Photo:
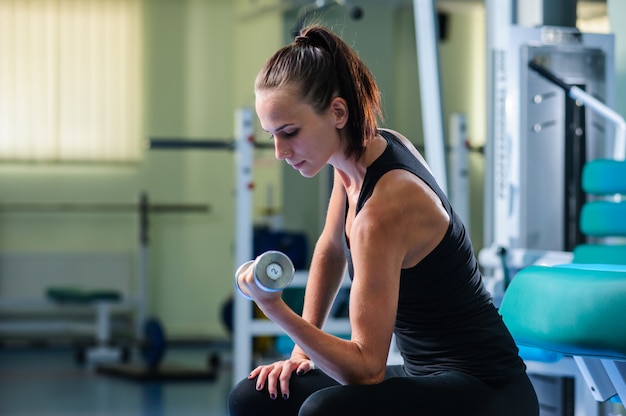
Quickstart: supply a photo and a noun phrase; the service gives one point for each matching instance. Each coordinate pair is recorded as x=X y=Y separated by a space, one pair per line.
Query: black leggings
x=443 y=394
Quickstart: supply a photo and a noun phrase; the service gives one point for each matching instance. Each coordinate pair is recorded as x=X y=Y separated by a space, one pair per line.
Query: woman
x=412 y=266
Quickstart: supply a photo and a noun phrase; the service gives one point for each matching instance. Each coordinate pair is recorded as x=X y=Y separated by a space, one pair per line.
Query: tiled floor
x=47 y=381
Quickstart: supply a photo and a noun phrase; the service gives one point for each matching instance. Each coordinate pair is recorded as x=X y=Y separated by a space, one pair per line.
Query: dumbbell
x=273 y=272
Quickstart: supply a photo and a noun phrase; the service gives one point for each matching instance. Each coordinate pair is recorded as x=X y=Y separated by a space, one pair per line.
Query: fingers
x=243 y=275
x=262 y=374
x=283 y=380
x=247 y=286
x=276 y=377
x=260 y=382
x=279 y=376
x=305 y=367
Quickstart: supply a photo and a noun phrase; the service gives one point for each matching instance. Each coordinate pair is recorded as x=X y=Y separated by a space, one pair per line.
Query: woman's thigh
x=245 y=399
x=443 y=394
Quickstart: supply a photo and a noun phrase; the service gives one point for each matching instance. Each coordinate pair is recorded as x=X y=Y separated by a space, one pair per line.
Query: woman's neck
x=352 y=172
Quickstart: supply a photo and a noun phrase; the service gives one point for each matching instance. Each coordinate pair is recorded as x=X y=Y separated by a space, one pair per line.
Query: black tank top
x=446 y=319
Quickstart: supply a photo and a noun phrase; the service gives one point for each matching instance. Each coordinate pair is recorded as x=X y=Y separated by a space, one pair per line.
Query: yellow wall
x=189 y=78
x=200 y=59
x=463 y=68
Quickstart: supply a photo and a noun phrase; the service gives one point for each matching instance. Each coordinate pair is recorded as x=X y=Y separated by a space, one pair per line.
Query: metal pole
x=499 y=20
x=459 y=168
x=243 y=239
x=619 y=144
x=430 y=88
x=98 y=207
x=143 y=241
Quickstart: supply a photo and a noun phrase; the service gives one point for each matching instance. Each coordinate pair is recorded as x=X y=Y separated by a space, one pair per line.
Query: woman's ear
x=339 y=109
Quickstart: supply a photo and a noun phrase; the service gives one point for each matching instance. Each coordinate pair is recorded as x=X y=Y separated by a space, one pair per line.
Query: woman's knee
x=324 y=402
x=245 y=399
x=242 y=397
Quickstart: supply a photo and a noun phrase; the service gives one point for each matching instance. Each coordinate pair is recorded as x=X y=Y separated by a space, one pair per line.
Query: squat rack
x=243 y=146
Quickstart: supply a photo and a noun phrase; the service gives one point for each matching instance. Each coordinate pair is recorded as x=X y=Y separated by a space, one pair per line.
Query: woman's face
x=304 y=138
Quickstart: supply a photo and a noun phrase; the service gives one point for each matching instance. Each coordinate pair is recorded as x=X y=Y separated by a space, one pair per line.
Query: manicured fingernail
x=299 y=372
x=259 y=386
x=273 y=396
x=285 y=396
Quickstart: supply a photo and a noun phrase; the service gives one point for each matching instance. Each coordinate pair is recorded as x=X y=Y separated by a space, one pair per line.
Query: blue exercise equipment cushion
x=603 y=218
x=604 y=177
x=598 y=253
x=571 y=309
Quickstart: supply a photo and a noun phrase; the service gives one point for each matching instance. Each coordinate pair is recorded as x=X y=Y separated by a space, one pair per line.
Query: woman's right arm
x=328 y=265
x=326 y=273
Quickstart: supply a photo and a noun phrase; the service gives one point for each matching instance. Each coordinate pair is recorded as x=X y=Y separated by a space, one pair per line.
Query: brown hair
x=323 y=66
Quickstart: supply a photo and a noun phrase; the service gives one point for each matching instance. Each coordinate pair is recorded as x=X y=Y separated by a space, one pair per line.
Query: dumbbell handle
x=273 y=272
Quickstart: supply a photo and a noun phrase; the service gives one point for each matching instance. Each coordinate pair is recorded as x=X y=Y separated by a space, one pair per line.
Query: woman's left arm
x=373 y=301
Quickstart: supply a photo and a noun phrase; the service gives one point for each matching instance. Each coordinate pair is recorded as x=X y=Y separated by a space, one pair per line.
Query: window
x=71 y=85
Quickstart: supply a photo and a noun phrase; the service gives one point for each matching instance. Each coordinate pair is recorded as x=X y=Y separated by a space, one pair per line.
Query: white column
x=427 y=41
x=244 y=147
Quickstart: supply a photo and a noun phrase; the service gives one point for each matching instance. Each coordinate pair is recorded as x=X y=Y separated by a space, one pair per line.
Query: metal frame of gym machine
x=539 y=139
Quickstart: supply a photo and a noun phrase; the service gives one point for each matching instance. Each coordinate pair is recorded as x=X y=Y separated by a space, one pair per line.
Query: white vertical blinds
x=71 y=85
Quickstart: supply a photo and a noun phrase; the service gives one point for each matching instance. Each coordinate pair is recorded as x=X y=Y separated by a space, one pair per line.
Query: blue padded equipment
x=603 y=217
x=529 y=353
x=604 y=177
x=599 y=219
x=597 y=253
x=575 y=310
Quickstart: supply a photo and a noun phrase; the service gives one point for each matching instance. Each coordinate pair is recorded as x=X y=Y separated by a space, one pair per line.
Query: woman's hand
x=278 y=374
x=248 y=286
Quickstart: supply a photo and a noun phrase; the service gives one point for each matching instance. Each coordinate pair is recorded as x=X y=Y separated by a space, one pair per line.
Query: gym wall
x=201 y=57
